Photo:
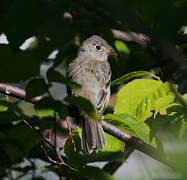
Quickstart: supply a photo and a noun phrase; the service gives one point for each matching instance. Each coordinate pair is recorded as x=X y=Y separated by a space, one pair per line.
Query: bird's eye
x=98 y=47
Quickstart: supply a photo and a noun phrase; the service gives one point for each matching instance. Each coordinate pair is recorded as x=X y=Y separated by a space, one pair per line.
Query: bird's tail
x=92 y=135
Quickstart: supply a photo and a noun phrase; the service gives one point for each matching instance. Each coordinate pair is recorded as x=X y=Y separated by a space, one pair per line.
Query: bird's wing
x=103 y=75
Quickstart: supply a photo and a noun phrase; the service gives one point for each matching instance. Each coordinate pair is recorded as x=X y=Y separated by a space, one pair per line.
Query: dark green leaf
x=55 y=76
x=36 y=87
x=77 y=159
x=47 y=106
x=95 y=173
x=84 y=105
x=17 y=66
x=17 y=145
x=6 y=117
x=133 y=75
x=10 y=105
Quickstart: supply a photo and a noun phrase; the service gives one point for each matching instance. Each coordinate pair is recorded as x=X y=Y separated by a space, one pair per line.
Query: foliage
x=148 y=106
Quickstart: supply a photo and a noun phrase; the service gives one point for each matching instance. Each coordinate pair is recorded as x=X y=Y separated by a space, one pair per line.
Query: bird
x=92 y=71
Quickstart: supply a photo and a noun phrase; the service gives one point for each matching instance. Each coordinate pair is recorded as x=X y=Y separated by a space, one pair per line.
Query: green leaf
x=95 y=173
x=133 y=75
x=72 y=150
x=47 y=106
x=130 y=125
x=163 y=103
x=113 y=144
x=26 y=108
x=18 y=145
x=36 y=87
x=78 y=159
x=17 y=66
x=84 y=105
x=3 y=107
x=55 y=76
x=44 y=113
x=44 y=107
x=7 y=117
x=18 y=27
x=140 y=97
x=182 y=128
x=122 y=47
x=10 y=105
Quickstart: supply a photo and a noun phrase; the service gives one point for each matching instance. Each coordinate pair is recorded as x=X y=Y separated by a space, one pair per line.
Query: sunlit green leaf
x=130 y=125
x=113 y=144
x=45 y=112
x=142 y=96
x=122 y=47
x=2 y=107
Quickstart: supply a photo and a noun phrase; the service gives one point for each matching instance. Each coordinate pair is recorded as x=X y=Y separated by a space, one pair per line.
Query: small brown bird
x=92 y=71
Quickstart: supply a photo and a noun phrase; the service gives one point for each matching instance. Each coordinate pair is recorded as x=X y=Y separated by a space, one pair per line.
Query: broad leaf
x=17 y=66
x=132 y=75
x=55 y=76
x=7 y=117
x=47 y=106
x=84 y=105
x=36 y=87
x=113 y=144
x=95 y=173
x=18 y=145
x=78 y=159
x=130 y=125
x=142 y=96
x=2 y=106
x=122 y=47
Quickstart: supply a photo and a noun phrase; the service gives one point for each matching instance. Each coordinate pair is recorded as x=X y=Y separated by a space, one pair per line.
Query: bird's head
x=96 y=48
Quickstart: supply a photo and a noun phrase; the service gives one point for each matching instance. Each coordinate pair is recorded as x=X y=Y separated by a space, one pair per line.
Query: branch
x=136 y=143
x=8 y=89
x=112 y=166
x=109 y=128
x=19 y=93
x=16 y=92
x=129 y=36
x=167 y=50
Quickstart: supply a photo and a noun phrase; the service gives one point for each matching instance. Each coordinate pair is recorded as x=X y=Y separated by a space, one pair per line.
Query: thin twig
x=55 y=130
x=58 y=157
x=19 y=93
x=70 y=133
x=40 y=134
x=50 y=159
